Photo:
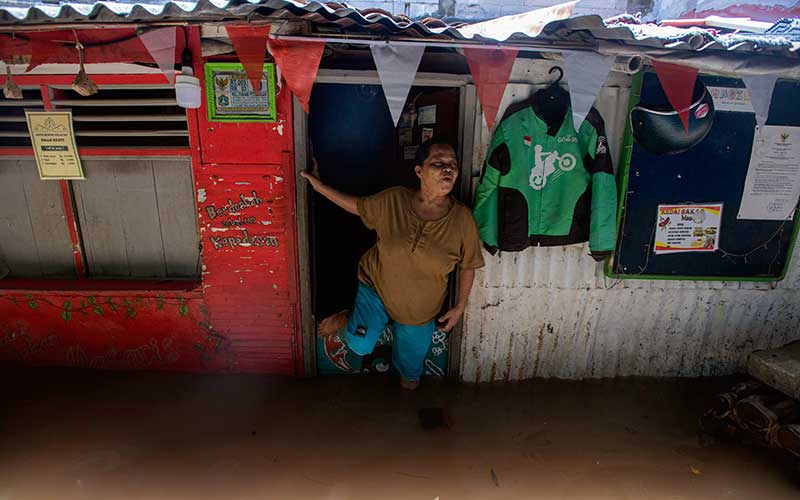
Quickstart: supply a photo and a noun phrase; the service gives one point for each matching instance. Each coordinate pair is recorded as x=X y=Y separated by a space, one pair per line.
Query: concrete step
x=778 y=368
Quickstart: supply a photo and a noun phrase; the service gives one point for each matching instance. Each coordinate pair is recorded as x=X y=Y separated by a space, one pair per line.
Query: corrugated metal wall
x=550 y=312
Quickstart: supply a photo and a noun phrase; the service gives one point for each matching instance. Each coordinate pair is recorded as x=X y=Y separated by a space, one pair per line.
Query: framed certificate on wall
x=231 y=97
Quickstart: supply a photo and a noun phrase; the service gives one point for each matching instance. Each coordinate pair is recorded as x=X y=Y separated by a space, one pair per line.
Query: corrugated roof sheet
x=212 y=10
x=583 y=30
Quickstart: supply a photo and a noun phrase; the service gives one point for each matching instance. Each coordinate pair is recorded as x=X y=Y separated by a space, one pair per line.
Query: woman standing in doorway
x=423 y=234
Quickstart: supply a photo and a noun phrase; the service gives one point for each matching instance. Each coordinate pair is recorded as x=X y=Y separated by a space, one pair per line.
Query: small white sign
x=731 y=99
x=772 y=186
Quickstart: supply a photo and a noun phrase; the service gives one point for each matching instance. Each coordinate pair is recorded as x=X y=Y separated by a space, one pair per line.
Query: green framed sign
x=230 y=96
x=780 y=242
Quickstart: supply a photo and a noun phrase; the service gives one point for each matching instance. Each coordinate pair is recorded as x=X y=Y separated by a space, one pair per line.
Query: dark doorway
x=360 y=151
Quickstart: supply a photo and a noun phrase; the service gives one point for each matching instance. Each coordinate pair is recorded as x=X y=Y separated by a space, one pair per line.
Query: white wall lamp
x=187 y=86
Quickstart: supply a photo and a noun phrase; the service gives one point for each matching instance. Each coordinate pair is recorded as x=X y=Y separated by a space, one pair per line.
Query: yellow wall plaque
x=54 y=144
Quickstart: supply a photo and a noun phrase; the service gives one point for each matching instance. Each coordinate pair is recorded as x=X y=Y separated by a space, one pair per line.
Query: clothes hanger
x=554 y=90
x=552 y=101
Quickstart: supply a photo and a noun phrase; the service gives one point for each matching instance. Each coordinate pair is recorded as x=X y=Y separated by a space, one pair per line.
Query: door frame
x=469 y=125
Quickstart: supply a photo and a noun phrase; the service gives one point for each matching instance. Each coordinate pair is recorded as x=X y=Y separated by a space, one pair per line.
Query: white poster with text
x=772 y=185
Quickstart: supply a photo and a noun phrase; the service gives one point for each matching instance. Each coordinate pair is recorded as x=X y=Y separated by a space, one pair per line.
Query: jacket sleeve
x=498 y=163
x=597 y=159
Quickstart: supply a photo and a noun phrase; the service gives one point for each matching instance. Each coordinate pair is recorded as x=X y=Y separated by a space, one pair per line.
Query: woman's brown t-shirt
x=409 y=264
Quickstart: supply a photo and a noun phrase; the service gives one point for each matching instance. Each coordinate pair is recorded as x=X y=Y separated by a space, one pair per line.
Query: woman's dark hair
x=425 y=149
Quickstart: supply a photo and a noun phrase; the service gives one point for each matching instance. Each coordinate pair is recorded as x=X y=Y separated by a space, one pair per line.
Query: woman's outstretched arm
x=346 y=201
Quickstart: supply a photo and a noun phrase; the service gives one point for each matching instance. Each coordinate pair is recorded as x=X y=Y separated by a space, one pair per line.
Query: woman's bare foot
x=330 y=326
x=409 y=385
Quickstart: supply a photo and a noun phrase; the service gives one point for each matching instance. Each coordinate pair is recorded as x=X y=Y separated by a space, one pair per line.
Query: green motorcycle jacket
x=544 y=185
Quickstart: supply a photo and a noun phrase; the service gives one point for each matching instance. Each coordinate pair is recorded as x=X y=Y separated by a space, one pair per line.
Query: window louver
x=13 y=127
x=126 y=116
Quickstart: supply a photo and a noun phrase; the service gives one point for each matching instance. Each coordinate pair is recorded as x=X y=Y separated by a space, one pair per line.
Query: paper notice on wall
x=688 y=228
x=772 y=186
x=427 y=115
x=405 y=137
x=410 y=152
x=731 y=99
x=53 y=141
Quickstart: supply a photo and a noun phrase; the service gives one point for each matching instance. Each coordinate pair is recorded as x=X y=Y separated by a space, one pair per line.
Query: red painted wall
x=243 y=316
x=120 y=330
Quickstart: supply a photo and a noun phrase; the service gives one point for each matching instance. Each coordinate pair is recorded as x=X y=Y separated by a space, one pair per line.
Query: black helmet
x=659 y=129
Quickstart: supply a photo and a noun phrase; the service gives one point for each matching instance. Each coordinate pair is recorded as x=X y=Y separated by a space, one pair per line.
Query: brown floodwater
x=97 y=435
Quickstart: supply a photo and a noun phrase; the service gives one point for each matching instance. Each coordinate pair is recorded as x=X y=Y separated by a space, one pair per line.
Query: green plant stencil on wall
x=91 y=304
x=183 y=310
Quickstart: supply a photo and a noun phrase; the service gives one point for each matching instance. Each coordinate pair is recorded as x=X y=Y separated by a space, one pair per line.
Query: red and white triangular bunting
x=250 y=44
x=490 y=71
x=41 y=51
x=678 y=84
x=160 y=43
x=586 y=73
x=397 y=66
x=298 y=63
x=760 y=88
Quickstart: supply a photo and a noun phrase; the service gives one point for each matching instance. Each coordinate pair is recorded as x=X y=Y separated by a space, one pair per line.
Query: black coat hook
x=560 y=73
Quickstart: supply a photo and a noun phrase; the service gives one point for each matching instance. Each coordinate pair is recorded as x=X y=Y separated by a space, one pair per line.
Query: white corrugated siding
x=556 y=316
x=550 y=312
